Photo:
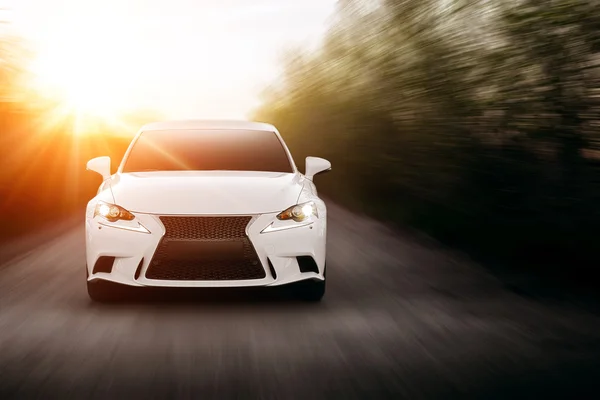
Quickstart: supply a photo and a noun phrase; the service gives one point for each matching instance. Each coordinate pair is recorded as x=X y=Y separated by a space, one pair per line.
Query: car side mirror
x=316 y=165
x=100 y=165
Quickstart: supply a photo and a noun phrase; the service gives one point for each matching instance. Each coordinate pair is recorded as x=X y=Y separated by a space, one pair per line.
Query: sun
x=89 y=68
x=86 y=81
x=84 y=96
x=83 y=86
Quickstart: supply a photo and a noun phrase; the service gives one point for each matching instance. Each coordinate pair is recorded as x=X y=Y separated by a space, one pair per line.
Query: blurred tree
x=444 y=114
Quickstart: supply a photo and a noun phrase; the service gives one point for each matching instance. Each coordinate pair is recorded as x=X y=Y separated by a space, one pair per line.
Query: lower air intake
x=307 y=264
x=104 y=264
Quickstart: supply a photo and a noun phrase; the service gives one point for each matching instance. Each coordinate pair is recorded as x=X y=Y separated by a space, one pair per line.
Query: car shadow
x=261 y=297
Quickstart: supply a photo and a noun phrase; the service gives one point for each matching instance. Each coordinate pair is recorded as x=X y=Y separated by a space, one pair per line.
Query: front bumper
x=133 y=252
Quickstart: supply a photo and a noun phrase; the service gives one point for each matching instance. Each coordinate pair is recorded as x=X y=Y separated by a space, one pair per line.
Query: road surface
x=402 y=318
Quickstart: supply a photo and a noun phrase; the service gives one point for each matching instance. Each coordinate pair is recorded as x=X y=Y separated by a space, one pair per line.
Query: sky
x=184 y=58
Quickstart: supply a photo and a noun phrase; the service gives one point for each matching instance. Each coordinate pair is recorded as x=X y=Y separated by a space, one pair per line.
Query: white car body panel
x=219 y=192
x=259 y=195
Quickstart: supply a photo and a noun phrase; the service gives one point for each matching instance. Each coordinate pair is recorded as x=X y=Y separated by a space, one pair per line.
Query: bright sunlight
x=185 y=59
x=89 y=71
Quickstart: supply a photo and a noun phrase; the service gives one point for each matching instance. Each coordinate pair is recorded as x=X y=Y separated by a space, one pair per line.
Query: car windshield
x=208 y=150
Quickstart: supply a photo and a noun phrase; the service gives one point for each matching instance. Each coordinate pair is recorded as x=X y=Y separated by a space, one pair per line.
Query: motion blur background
x=476 y=122
x=465 y=193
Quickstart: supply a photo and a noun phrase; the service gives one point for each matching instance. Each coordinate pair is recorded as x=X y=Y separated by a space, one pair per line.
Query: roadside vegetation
x=477 y=122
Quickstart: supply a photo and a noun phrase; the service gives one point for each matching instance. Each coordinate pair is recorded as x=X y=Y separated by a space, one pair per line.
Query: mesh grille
x=205 y=228
x=241 y=264
x=206 y=271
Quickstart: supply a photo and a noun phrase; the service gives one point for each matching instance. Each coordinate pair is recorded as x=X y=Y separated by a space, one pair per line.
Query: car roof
x=208 y=124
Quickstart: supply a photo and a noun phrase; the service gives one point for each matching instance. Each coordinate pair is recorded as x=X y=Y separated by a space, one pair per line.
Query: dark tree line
x=477 y=121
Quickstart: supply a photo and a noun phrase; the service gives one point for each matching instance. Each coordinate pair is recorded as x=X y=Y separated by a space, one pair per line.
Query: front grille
x=205 y=228
x=205 y=249
x=205 y=271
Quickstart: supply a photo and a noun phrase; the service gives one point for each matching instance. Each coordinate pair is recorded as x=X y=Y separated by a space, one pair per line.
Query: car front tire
x=312 y=290
x=99 y=292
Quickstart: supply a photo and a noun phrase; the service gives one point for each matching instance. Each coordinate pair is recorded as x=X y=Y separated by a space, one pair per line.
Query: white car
x=206 y=204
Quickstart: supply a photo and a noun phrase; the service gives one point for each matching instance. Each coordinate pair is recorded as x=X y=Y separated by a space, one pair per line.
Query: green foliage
x=476 y=121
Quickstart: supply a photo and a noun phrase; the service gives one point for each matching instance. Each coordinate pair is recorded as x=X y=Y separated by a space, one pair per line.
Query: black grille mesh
x=167 y=266
x=205 y=228
x=205 y=271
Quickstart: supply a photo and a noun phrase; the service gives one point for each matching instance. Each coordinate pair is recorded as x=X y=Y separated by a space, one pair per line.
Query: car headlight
x=115 y=216
x=299 y=212
x=112 y=212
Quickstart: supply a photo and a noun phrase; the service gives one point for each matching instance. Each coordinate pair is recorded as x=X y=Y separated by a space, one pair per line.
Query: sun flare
x=184 y=59
x=87 y=83
x=83 y=95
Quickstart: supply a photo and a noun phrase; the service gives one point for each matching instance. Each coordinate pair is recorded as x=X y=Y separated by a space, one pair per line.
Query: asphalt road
x=402 y=318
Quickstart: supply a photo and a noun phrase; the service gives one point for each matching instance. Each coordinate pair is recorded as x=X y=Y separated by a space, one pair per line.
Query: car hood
x=206 y=192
